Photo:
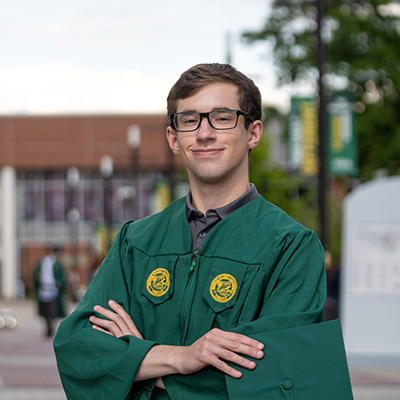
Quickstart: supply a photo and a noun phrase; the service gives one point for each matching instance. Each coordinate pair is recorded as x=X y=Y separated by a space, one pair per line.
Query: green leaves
x=362 y=47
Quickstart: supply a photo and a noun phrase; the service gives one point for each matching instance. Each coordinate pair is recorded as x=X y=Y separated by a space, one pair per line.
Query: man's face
x=212 y=155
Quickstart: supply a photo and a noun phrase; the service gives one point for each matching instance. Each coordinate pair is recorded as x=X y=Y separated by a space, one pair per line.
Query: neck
x=208 y=196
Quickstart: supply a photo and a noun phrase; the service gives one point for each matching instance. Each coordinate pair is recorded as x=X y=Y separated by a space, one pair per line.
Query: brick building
x=53 y=190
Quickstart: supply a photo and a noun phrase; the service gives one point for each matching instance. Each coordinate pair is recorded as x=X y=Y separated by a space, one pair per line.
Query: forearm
x=161 y=360
x=213 y=349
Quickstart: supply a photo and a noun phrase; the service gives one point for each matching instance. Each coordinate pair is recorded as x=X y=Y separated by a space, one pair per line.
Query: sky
x=121 y=56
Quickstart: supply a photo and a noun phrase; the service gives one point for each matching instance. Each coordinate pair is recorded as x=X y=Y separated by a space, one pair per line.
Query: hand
x=216 y=347
x=118 y=322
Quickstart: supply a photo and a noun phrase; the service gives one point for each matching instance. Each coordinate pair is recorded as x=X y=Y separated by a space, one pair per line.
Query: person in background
x=50 y=282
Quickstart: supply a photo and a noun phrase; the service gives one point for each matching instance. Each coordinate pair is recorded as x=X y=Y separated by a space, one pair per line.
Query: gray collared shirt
x=201 y=225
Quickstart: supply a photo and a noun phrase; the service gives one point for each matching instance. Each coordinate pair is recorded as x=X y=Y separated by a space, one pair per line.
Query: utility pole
x=322 y=172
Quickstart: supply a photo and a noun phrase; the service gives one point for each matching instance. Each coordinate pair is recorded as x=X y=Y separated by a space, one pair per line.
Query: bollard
x=7 y=319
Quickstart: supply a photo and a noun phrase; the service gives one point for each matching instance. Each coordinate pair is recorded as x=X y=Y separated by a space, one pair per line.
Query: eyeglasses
x=190 y=121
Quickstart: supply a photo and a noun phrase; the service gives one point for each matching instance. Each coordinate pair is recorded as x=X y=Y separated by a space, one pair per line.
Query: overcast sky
x=120 y=56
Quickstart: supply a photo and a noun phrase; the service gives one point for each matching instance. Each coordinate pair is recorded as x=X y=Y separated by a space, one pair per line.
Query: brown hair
x=195 y=78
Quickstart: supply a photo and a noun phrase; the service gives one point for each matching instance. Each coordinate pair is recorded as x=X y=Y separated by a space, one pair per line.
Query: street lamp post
x=322 y=172
x=73 y=179
x=134 y=140
x=106 y=172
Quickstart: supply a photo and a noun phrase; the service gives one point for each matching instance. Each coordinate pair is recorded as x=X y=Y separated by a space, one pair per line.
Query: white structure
x=8 y=260
x=370 y=284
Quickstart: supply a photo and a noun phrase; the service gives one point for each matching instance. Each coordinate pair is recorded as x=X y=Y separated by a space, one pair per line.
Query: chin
x=211 y=178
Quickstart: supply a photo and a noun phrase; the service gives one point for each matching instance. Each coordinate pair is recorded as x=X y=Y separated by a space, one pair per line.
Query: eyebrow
x=213 y=109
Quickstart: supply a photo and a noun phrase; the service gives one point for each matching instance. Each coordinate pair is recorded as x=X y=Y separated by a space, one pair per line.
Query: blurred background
x=83 y=87
x=83 y=118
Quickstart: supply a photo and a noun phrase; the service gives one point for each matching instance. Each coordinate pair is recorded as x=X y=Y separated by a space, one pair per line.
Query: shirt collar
x=224 y=211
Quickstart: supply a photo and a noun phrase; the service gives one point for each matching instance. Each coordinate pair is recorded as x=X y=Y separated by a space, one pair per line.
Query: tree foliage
x=362 y=55
x=296 y=195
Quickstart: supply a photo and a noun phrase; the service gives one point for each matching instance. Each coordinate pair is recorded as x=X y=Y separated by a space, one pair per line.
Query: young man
x=219 y=296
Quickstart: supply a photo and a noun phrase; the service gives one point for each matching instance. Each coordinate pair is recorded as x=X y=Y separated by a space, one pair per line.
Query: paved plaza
x=28 y=368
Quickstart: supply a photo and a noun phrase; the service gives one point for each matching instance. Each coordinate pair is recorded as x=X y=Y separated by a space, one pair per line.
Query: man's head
x=52 y=248
x=195 y=78
x=216 y=122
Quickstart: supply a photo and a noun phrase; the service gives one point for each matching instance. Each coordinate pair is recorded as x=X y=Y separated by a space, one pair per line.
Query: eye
x=188 y=119
x=223 y=116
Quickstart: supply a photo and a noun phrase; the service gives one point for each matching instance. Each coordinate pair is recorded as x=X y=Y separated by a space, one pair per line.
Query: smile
x=206 y=152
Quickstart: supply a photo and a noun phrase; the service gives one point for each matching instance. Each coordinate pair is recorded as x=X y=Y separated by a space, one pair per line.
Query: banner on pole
x=342 y=156
x=342 y=135
x=303 y=136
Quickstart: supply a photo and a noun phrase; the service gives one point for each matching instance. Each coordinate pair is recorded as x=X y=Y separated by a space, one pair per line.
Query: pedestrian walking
x=50 y=282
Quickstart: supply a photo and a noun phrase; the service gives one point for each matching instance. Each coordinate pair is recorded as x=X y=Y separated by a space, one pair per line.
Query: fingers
x=106 y=325
x=227 y=369
x=231 y=347
x=217 y=348
x=101 y=329
x=117 y=322
x=237 y=343
x=126 y=317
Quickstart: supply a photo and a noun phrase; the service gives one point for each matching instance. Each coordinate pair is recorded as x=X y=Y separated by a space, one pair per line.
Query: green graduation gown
x=258 y=273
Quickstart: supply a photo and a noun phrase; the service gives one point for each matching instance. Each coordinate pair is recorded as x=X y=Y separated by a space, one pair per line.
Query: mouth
x=207 y=152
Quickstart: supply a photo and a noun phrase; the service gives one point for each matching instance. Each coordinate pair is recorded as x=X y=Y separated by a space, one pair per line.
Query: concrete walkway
x=27 y=364
x=28 y=368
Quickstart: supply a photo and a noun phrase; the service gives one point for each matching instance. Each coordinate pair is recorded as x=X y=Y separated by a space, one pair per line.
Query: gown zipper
x=188 y=290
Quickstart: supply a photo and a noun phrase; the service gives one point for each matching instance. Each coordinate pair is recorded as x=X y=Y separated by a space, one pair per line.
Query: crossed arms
x=215 y=348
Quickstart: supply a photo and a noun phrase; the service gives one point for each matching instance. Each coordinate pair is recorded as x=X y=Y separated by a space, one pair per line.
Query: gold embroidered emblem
x=158 y=282
x=223 y=288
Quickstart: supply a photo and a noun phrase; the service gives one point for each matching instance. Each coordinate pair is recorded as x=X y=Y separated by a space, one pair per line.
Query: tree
x=296 y=196
x=362 y=54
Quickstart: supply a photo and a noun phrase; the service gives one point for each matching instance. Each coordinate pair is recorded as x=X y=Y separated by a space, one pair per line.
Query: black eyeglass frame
x=207 y=115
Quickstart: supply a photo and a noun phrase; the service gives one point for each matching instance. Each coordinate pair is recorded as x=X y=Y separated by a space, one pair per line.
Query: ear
x=255 y=133
x=172 y=140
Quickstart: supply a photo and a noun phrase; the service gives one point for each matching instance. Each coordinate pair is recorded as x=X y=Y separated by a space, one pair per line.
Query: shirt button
x=287 y=384
x=202 y=235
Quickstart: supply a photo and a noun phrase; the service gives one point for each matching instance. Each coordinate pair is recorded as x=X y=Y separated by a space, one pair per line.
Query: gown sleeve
x=304 y=357
x=93 y=364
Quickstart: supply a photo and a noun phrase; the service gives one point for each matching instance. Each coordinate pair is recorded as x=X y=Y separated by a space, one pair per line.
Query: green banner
x=303 y=136
x=342 y=154
x=342 y=135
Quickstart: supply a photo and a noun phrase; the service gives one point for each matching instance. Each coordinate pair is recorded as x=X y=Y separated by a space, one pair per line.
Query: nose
x=205 y=131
